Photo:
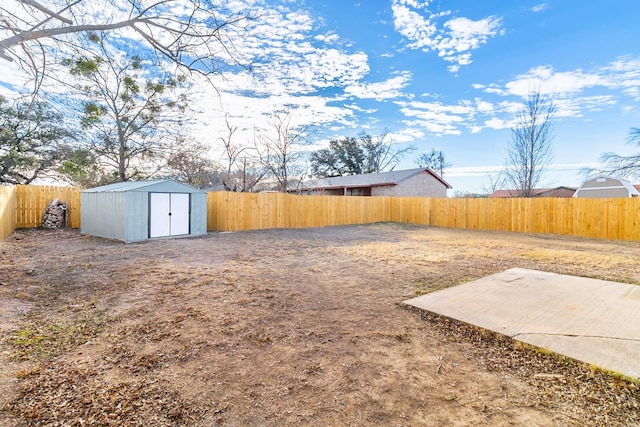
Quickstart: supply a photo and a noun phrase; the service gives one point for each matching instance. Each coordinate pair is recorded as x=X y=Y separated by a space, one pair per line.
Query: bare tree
x=496 y=182
x=190 y=164
x=433 y=160
x=231 y=151
x=463 y=194
x=617 y=165
x=380 y=153
x=530 y=149
x=280 y=151
x=247 y=177
x=192 y=34
x=242 y=171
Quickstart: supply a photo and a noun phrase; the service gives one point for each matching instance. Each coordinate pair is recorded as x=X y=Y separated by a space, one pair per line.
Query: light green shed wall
x=137 y=223
x=198 y=213
x=104 y=215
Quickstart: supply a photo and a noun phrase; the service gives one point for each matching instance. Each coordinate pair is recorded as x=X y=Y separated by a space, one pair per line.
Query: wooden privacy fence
x=596 y=218
x=7 y=210
x=31 y=200
x=23 y=205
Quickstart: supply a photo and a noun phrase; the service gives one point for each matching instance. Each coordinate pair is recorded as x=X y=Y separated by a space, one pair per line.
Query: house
x=134 y=211
x=607 y=187
x=537 y=192
x=420 y=182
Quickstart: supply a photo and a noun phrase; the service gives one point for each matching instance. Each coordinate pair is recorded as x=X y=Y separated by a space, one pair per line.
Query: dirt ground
x=286 y=327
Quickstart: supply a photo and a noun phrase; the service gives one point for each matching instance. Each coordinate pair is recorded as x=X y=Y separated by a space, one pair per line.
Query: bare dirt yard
x=286 y=327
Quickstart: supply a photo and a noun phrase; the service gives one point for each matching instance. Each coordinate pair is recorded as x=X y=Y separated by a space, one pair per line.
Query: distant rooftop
x=536 y=192
x=368 y=180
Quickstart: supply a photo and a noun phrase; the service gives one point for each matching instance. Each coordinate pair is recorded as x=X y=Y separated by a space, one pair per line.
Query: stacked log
x=55 y=214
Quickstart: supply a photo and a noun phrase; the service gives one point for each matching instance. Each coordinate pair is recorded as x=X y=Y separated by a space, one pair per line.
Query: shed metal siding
x=198 y=213
x=103 y=214
x=137 y=216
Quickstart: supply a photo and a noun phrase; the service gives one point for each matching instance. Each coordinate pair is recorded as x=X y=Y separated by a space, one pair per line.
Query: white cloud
x=356 y=107
x=574 y=92
x=496 y=123
x=540 y=7
x=452 y=119
x=549 y=82
x=453 y=40
x=437 y=117
x=391 y=88
x=484 y=106
x=623 y=73
x=465 y=34
x=13 y=76
x=406 y=135
x=328 y=37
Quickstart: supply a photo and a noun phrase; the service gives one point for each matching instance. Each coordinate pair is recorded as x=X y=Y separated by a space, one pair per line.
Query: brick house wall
x=419 y=185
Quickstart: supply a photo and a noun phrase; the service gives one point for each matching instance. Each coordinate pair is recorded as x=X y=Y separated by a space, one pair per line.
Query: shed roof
x=152 y=185
x=369 y=179
x=607 y=184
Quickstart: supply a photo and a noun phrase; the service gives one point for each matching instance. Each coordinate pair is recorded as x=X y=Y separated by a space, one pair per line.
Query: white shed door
x=168 y=214
x=179 y=214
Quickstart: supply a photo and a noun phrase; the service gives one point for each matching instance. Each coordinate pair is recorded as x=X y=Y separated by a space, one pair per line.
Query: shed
x=606 y=187
x=139 y=210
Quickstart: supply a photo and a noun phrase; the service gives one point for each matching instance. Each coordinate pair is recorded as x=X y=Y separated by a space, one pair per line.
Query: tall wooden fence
x=22 y=206
x=31 y=200
x=7 y=210
x=596 y=218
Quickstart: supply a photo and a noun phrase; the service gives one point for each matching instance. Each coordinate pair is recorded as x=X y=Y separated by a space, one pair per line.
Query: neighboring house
x=537 y=192
x=607 y=187
x=421 y=182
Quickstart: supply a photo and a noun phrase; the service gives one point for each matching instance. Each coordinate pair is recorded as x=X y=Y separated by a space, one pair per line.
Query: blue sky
x=461 y=67
x=443 y=74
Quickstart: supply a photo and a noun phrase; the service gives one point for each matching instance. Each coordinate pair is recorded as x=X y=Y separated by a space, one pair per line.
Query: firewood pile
x=55 y=214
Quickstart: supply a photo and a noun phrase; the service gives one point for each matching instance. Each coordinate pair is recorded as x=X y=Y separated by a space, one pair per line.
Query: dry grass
x=286 y=327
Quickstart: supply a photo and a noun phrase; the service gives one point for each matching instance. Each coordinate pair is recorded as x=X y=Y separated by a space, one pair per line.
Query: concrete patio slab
x=593 y=321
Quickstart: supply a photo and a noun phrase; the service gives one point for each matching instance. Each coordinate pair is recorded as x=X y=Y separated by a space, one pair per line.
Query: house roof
x=369 y=179
x=537 y=192
x=167 y=185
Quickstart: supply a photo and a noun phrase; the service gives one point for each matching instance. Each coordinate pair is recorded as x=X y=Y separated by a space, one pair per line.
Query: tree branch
x=43 y=9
